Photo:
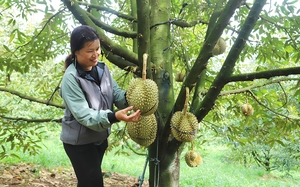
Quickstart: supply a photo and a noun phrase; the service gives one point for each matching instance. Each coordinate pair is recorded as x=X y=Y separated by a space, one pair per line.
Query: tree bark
x=164 y=171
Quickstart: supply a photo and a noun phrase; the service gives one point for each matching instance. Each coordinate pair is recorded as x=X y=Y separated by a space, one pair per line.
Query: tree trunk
x=164 y=172
x=163 y=167
x=171 y=172
x=154 y=36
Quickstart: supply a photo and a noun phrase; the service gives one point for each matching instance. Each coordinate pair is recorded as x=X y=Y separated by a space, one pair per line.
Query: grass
x=131 y=164
x=215 y=171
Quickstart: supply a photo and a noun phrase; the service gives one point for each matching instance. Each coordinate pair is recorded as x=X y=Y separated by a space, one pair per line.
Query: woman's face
x=88 y=56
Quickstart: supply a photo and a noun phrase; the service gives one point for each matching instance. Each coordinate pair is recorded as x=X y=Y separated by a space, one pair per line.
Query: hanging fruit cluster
x=247 y=109
x=142 y=94
x=184 y=125
x=192 y=158
x=144 y=130
x=219 y=48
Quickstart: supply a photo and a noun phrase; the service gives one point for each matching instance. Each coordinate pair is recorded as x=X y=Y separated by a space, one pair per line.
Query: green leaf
x=3 y=148
x=14 y=155
x=10 y=138
x=6 y=48
x=280 y=142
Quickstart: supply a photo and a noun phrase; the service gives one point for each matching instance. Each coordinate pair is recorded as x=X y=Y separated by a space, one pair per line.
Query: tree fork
x=205 y=53
x=230 y=61
x=201 y=62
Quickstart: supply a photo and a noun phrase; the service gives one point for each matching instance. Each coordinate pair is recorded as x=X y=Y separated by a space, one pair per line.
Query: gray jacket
x=88 y=105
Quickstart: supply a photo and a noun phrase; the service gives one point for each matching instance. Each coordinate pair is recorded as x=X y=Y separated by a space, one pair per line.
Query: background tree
x=262 y=46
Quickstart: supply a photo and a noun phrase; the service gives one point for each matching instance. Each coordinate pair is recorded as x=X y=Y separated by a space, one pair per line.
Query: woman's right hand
x=122 y=115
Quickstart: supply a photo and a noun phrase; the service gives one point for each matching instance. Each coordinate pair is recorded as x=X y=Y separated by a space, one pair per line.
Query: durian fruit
x=247 y=109
x=192 y=158
x=184 y=125
x=179 y=77
x=144 y=130
x=219 y=48
x=142 y=93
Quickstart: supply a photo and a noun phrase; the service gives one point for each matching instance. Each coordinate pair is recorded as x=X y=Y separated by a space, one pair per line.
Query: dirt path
x=26 y=175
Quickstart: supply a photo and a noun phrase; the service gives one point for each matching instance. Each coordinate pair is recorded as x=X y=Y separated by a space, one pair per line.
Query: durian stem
x=144 y=72
x=187 y=94
x=192 y=146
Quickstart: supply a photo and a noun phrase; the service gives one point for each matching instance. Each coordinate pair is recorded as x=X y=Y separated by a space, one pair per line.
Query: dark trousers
x=86 y=161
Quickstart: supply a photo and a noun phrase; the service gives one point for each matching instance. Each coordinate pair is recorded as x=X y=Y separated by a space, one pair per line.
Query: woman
x=89 y=92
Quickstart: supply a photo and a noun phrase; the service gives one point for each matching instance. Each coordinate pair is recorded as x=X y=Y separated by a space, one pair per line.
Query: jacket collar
x=83 y=73
x=99 y=68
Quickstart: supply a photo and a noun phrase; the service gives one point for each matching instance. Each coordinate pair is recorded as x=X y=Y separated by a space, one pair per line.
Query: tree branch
x=106 y=42
x=111 y=11
x=242 y=90
x=113 y=30
x=43 y=28
x=181 y=23
x=260 y=103
x=205 y=53
x=7 y=8
x=32 y=120
x=23 y=96
x=119 y=61
x=232 y=57
x=201 y=62
x=134 y=149
x=143 y=30
x=264 y=74
x=279 y=26
x=248 y=89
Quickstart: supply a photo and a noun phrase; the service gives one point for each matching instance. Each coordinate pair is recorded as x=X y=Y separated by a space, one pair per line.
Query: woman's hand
x=123 y=115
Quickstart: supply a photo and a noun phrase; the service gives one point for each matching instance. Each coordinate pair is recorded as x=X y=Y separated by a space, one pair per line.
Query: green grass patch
x=126 y=164
x=216 y=172
x=216 y=169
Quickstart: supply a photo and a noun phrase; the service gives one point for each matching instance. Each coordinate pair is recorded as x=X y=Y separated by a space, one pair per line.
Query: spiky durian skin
x=184 y=127
x=192 y=158
x=143 y=95
x=247 y=109
x=219 y=48
x=144 y=130
x=222 y=45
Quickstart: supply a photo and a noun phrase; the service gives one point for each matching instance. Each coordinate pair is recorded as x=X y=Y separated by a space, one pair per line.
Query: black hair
x=79 y=36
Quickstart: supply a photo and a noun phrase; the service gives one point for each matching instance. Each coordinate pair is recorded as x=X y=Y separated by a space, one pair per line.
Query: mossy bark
x=164 y=168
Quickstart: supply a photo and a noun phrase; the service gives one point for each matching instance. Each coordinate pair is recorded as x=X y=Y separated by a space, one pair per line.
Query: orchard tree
x=28 y=76
x=227 y=52
x=158 y=29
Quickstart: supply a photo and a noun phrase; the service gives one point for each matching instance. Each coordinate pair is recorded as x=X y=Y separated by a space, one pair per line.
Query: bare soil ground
x=27 y=175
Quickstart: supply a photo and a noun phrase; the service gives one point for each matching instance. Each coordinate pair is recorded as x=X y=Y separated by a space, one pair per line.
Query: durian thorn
x=144 y=73
x=187 y=94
